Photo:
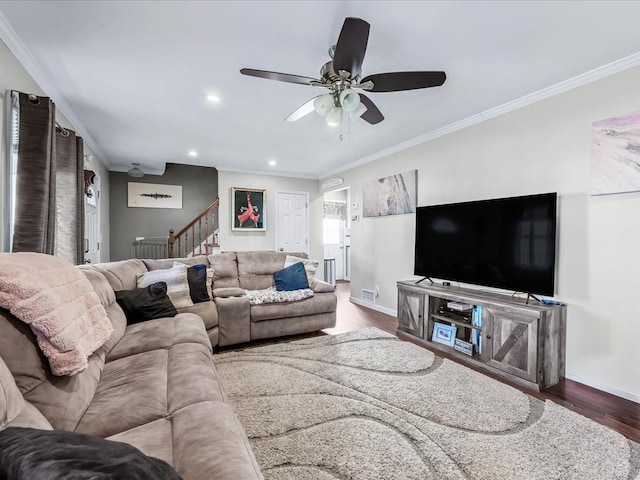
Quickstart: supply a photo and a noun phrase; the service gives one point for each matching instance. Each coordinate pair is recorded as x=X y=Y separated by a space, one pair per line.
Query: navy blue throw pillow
x=291 y=278
x=197 y=277
x=141 y=304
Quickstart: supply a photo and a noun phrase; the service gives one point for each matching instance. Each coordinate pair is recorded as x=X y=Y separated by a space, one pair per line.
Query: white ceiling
x=133 y=76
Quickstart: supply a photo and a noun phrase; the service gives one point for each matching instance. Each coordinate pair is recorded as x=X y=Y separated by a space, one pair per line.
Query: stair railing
x=198 y=237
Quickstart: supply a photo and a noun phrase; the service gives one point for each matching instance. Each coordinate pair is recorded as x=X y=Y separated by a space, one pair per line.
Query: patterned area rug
x=365 y=405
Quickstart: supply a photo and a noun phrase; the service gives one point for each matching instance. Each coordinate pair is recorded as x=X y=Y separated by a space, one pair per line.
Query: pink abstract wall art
x=615 y=155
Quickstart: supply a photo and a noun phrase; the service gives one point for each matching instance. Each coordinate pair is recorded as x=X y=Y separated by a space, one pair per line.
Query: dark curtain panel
x=35 y=209
x=49 y=210
x=69 y=233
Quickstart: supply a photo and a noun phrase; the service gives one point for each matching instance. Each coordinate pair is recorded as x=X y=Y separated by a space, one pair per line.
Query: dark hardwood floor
x=620 y=414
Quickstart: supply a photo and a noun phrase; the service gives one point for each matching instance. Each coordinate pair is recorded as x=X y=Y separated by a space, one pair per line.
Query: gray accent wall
x=199 y=190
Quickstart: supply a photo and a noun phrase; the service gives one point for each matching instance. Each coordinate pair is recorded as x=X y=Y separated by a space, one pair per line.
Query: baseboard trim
x=605 y=388
x=373 y=306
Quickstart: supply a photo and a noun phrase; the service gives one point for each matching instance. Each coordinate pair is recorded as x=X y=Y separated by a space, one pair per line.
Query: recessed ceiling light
x=213 y=98
x=193 y=153
x=272 y=163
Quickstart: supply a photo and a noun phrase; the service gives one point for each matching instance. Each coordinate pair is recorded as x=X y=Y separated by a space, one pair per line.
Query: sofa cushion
x=206 y=311
x=122 y=275
x=177 y=284
x=144 y=387
x=162 y=333
x=166 y=263
x=147 y=303
x=256 y=269
x=228 y=292
x=225 y=269
x=62 y=400
x=107 y=297
x=201 y=441
x=33 y=454
x=11 y=400
x=31 y=417
x=318 y=286
x=15 y=411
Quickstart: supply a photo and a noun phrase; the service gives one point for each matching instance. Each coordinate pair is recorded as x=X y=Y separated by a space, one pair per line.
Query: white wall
x=247 y=241
x=13 y=76
x=544 y=147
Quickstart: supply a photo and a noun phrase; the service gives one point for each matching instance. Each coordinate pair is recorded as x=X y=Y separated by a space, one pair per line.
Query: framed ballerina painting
x=248 y=209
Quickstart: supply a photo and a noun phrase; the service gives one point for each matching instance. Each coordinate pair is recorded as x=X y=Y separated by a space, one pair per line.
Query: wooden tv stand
x=524 y=343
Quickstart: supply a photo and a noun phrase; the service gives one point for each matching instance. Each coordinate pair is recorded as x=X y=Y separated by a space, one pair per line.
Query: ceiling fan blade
x=398 y=81
x=351 y=46
x=372 y=115
x=301 y=111
x=281 y=77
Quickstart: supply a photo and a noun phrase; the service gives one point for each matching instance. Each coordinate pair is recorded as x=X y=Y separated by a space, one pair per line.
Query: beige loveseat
x=239 y=321
x=152 y=385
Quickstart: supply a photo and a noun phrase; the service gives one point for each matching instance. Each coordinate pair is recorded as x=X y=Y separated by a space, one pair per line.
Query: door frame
x=97 y=192
x=308 y=232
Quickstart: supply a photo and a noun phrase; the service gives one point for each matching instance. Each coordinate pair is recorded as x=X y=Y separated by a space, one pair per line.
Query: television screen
x=507 y=243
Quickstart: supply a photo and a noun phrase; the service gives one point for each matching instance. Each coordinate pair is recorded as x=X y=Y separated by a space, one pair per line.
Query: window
x=331 y=230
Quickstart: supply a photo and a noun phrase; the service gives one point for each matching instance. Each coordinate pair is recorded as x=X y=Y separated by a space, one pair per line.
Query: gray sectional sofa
x=229 y=318
x=153 y=384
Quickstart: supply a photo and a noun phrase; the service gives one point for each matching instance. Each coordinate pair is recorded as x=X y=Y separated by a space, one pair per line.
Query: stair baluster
x=202 y=239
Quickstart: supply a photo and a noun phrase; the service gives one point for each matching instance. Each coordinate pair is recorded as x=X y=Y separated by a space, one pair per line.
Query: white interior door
x=92 y=224
x=293 y=222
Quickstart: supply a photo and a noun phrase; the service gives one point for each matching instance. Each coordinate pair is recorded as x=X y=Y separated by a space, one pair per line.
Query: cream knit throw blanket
x=57 y=301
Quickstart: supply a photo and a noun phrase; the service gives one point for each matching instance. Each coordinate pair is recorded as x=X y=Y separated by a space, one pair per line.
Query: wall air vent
x=368 y=295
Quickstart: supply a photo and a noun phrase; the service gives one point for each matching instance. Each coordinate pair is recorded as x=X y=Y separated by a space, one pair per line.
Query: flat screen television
x=507 y=243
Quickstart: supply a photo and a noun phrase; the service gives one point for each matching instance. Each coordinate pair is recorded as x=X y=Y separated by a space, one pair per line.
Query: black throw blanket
x=31 y=454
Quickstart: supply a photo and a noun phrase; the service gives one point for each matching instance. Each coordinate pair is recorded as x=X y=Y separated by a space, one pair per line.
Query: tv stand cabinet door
x=513 y=343
x=411 y=308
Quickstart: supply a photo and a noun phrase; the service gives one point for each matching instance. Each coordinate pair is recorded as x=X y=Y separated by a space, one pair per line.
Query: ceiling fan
x=342 y=75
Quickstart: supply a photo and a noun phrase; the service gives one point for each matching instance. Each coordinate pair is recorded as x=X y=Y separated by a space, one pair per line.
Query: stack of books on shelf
x=476 y=321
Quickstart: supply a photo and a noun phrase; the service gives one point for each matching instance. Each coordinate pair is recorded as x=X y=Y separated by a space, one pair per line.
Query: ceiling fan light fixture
x=135 y=172
x=357 y=112
x=334 y=116
x=349 y=99
x=323 y=103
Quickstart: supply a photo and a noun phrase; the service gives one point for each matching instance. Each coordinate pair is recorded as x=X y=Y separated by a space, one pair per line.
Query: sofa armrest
x=234 y=320
x=228 y=292
x=318 y=286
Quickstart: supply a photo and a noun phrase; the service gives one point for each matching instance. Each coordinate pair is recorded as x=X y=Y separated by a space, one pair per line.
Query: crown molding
x=583 y=79
x=270 y=173
x=33 y=68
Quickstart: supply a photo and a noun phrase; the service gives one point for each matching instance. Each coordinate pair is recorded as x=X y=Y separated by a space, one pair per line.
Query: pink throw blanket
x=57 y=301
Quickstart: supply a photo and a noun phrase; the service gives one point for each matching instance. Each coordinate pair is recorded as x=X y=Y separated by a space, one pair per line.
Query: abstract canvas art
x=154 y=195
x=392 y=195
x=615 y=155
